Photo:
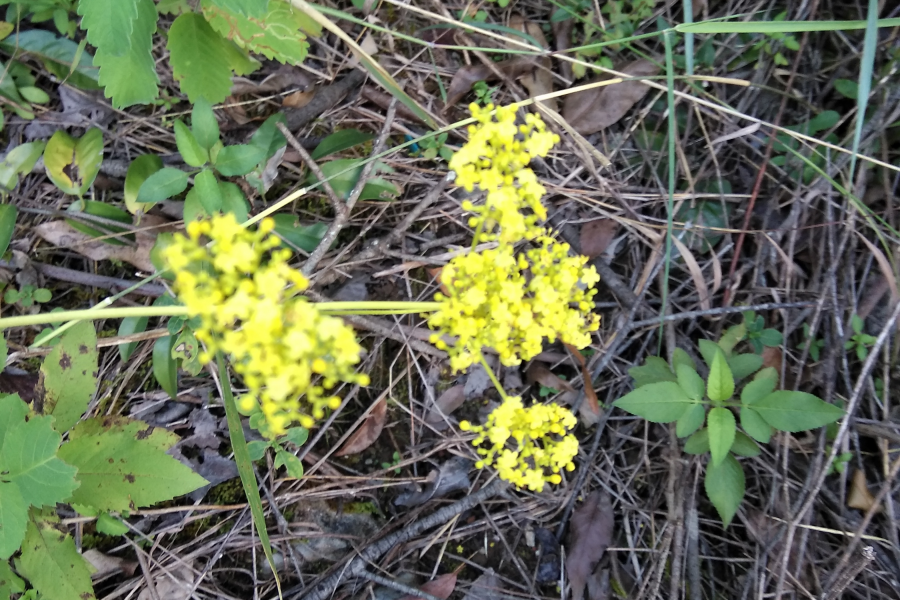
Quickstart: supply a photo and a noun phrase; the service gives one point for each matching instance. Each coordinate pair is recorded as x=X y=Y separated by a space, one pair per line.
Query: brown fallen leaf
x=108 y=565
x=441 y=587
x=469 y=75
x=590 y=408
x=63 y=235
x=540 y=80
x=859 y=496
x=298 y=99
x=598 y=108
x=538 y=373
x=446 y=403
x=562 y=38
x=590 y=533
x=486 y=587
x=596 y=236
x=771 y=357
x=368 y=432
x=696 y=273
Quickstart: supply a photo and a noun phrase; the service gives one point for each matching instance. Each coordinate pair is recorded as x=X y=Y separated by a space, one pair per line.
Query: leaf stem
x=493 y=377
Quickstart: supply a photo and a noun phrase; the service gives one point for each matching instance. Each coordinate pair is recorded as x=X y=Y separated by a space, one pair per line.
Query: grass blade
x=670 y=202
x=866 y=67
x=719 y=26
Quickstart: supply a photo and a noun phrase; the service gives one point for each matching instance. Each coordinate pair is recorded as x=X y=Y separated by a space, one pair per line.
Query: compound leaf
x=796 y=411
x=755 y=426
x=109 y=23
x=697 y=443
x=122 y=465
x=757 y=390
x=721 y=426
x=13 y=518
x=724 y=485
x=661 y=402
x=744 y=446
x=654 y=370
x=28 y=460
x=278 y=34
x=199 y=58
x=744 y=365
x=130 y=77
x=720 y=385
x=680 y=357
x=708 y=351
x=52 y=564
x=70 y=375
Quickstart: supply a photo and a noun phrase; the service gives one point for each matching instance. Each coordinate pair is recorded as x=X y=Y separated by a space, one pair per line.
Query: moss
x=362 y=508
x=227 y=492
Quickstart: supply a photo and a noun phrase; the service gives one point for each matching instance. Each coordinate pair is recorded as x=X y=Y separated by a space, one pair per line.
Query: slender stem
x=493 y=377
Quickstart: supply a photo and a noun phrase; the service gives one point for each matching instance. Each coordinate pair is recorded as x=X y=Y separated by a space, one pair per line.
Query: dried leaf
x=695 y=271
x=469 y=75
x=596 y=236
x=562 y=37
x=368 y=432
x=298 y=99
x=859 y=496
x=486 y=587
x=540 y=80
x=590 y=408
x=538 y=373
x=446 y=403
x=441 y=587
x=108 y=565
x=771 y=357
x=172 y=584
x=590 y=534
x=598 y=108
x=286 y=77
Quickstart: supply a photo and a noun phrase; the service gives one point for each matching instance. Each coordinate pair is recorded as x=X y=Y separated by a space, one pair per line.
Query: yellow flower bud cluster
x=543 y=446
x=246 y=295
x=495 y=159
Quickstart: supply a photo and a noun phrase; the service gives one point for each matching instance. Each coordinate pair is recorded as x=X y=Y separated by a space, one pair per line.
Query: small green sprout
x=27 y=296
x=484 y=94
x=814 y=345
x=859 y=341
x=393 y=464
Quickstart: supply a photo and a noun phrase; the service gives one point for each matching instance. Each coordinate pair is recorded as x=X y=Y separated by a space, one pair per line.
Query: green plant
x=859 y=342
x=676 y=393
x=18 y=86
x=283 y=458
x=484 y=94
x=770 y=43
x=106 y=466
x=545 y=391
x=27 y=296
x=814 y=345
x=753 y=330
x=433 y=146
x=395 y=460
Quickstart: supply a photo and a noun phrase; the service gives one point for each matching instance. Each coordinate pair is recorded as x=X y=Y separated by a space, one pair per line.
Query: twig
x=862 y=561
x=113 y=284
x=396 y=585
x=336 y=203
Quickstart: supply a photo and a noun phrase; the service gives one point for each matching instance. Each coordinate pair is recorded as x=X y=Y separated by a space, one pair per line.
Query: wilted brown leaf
x=446 y=403
x=469 y=75
x=598 y=108
x=695 y=271
x=298 y=99
x=859 y=496
x=562 y=39
x=540 y=80
x=441 y=587
x=368 y=432
x=771 y=357
x=590 y=408
x=590 y=533
x=596 y=236
x=486 y=587
x=108 y=565
x=538 y=373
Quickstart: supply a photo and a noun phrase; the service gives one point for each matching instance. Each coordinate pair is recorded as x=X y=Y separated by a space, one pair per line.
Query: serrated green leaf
x=292 y=464
x=138 y=171
x=204 y=125
x=10 y=583
x=52 y=564
x=8 y=214
x=303 y=237
x=13 y=518
x=721 y=427
x=278 y=34
x=720 y=385
x=724 y=484
x=691 y=382
x=190 y=149
x=130 y=78
x=340 y=140
x=654 y=370
x=268 y=137
x=165 y=369
x=110 y=525
x=121 y=471
x=129 y=326
x=12 y=413
x=698 y=443
x=199 y=60
x=209 y=194
x=708 y=351
x=28 y=460
x=690 y=421
x=661 y=402
x=731 y=337
x=757 y=390
x=744 y=446
x=70 y=375
x=109 y=23
x=239 y=159
x=796 y=411
x=248 y=8
x=744 y=365
x=58 y=54
x=755 y=426
x=233 y=201
x=162 y=185
x=680 y=357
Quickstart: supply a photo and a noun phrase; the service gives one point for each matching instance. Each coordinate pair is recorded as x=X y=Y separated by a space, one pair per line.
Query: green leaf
x=110 y=525
x=721 y=426
x=173 y=7
x=161 y=185
x=130 y=78
x=771 y=338
x=28 y=460
x=680 y=357
x=100 y=209
x=744 y=365
x=19 y=161
x=190 y=149
x=744 y=446
x=58 y=54
x=654 y=370
x=724 y=484
x=35 y=95
x=121 y=469
x=10 y=583
x=8 y=214
x=204 y=124
x=755 y=426
x=697 y=443
x=128 y=326
x=708 y=351
x=109 y=23
x=343 y=174
x=720 y=385
x=233 y=201
x=690 y=421
x=297 y=435
x=139 y=171
x=193 y=208
x=13 y=518
x=757 y=390
x=239 y=159
x=268 y=137
x=70 y=375
x=290 y=462
x=52 y=564
x=796 y=411
x=731 y=337
x=278 y=34
x=340 y=140
x=856 y=323
x=304 y=237
x=691 y=382
x=248 y=8
x=165 y=369
x=199 y=58
x=661 y=402
x=847 y=88
x=257 y=449
x=187 y=351
x=65 y=158
x=207 y=188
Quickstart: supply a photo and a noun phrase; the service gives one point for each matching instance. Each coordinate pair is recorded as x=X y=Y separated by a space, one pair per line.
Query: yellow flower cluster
x=543 y=446
x=511 y=304
x=246 y=296
x=495 y=159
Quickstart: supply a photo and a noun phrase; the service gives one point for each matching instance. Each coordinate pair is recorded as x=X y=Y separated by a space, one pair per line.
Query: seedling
x=549 y=391
x=393 y=464
x=27 y=296
x=484 y=94
x=860 y=341
x=814 y=345
x=283 y=458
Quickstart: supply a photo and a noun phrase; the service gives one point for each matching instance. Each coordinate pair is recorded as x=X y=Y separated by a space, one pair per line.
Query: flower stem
x=493 y=377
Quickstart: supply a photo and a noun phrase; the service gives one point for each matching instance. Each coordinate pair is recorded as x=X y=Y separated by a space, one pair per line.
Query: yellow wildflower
x=528 y=446
x=246 y=296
